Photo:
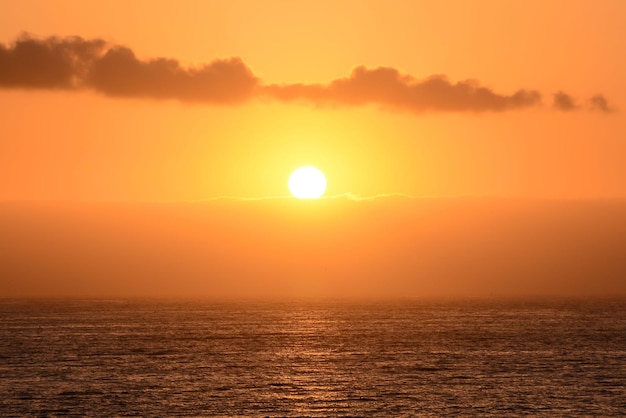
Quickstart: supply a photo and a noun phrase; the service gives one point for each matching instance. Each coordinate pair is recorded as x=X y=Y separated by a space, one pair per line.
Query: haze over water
x=411 y=358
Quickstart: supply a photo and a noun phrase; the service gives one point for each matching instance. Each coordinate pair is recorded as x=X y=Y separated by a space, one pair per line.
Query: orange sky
x=77 y=145
x=524 y=127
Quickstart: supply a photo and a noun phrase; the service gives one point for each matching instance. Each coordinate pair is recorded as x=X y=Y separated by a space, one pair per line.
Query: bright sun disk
x=307 y=183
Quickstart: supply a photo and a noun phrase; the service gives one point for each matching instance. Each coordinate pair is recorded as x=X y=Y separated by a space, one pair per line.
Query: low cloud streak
x=74 y=63
x=387 y=86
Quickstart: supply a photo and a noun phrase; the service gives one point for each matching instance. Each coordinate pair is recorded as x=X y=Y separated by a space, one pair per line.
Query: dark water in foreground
x=550 y=358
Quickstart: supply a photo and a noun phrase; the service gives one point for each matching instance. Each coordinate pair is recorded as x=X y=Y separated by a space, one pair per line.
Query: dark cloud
x=49 y=63
x=600 y=103
x=120 y=73
x=114 y=70
x=387 y=86
x=564 y=102
x=72 y=63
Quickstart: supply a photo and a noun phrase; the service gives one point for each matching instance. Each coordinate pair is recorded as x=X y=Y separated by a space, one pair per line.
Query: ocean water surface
x=405 y=358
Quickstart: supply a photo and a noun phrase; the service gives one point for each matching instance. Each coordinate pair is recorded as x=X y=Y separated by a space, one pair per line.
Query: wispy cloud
x=342 y=196
x=564 y=102
x=243 y=198
x=600 y=103
x=74 y=63
x=387 y=86
x=358 y=198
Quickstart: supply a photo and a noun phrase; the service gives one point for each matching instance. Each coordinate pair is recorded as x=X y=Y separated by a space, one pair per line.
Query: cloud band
x=74 y=63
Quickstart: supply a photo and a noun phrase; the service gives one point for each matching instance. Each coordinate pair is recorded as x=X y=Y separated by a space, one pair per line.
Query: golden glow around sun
x=307 y=183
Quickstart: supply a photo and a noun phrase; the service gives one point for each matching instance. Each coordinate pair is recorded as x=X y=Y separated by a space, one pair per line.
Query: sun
x=307 y=183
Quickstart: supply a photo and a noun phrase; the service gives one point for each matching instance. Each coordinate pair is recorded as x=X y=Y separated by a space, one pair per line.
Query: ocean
x=316 y=359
